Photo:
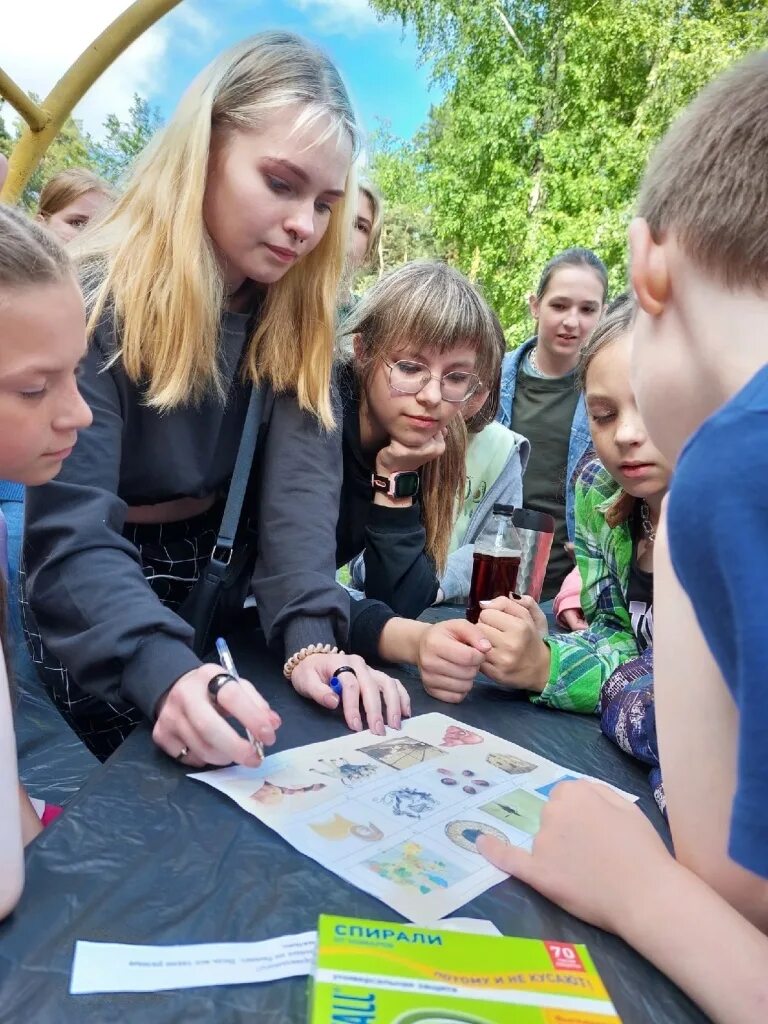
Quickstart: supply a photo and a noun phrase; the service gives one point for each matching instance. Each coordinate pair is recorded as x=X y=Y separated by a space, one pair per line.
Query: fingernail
x=330 y=700
x=484 y=604
x=276 y=719
x=378 y=728
x=396 y=722
x=357 y=724
x=267 y=735
x=486 y=644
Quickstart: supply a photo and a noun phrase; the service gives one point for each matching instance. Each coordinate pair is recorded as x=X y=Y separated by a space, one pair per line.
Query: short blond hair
x=67 y=187
x=374 y=239
x=707 y=181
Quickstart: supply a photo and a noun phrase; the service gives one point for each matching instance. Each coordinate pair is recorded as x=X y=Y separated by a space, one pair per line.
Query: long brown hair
x=615 y=324
x=433 y=306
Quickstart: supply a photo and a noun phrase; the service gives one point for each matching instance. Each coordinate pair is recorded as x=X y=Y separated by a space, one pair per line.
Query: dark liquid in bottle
x=492 y=576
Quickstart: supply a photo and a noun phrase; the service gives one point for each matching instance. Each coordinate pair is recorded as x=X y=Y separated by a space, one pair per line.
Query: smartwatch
x=399 y=485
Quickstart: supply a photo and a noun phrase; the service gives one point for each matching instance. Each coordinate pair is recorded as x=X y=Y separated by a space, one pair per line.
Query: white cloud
x=345 y=17
x=40 y=40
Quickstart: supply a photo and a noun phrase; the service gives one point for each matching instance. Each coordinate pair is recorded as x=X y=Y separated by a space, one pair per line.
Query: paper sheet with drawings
x=398 y=816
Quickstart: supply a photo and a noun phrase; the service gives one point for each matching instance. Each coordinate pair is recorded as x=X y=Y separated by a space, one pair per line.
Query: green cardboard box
x=377 y=972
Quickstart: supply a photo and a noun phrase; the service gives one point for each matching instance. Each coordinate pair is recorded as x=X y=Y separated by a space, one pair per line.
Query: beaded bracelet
x=305 y=652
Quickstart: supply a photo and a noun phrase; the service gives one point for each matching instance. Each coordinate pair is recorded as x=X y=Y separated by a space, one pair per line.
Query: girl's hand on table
x=382 y=697
x=450 y=655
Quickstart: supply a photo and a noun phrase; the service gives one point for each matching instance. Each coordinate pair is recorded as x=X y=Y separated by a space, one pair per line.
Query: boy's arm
x=597 y=856
x=697 y=724
x=686 y=938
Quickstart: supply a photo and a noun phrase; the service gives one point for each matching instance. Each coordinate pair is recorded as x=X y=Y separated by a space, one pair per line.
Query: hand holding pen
x=231 y=673
x=191 y=719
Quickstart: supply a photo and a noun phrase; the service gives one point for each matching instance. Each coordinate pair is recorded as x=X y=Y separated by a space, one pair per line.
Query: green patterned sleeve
x=581 y=662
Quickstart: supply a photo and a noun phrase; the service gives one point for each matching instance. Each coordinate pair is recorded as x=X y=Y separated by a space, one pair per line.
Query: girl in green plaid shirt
x=618 y=499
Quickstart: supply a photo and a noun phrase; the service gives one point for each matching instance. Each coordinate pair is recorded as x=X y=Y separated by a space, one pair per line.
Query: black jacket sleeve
x=294 y=580
x=93 y=606
x=398 y=570
x=367 y=621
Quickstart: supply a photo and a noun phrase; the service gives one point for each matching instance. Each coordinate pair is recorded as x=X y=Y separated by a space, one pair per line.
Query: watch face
x=406 y=485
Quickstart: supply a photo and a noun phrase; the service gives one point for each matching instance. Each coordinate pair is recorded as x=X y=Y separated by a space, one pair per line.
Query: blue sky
x=378 y=61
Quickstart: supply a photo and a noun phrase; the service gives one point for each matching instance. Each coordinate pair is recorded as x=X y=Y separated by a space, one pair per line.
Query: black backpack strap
x=239 y=482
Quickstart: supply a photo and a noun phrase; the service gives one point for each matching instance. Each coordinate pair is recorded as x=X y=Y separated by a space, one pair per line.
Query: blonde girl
x=71 y=199
x=216 y=271
x=364 y=245
x=42 y=340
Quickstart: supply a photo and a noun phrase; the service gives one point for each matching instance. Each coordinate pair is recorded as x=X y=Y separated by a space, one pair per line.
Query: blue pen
x=335 y=684
x=228 y=664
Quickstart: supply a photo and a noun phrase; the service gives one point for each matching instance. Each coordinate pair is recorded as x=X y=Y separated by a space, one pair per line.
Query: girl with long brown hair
x=423 y=341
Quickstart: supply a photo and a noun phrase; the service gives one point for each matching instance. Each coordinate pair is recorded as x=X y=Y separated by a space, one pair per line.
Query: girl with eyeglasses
x=423 y=341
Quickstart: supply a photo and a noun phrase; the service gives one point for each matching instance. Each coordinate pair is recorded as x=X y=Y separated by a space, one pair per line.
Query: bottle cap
x=528 y=519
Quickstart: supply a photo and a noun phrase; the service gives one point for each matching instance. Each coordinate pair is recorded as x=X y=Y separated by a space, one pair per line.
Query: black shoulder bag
x=222 y=587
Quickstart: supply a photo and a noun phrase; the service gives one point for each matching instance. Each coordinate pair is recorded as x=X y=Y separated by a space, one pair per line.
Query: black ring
x=216 y=684
x=344 y=668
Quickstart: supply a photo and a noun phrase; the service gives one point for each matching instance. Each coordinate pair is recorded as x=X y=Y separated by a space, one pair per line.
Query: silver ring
x=184 y=753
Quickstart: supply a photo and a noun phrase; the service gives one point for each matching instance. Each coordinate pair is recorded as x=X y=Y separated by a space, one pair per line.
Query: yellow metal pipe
x=73 y=85
x=35 y=117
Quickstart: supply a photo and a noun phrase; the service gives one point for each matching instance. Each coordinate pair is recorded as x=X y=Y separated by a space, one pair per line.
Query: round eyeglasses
x=409 y=378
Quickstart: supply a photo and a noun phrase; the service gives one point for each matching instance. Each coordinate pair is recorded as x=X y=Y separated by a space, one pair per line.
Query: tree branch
x=508 y=26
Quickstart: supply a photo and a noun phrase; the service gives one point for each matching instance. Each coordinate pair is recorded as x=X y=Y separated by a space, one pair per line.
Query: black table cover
x=145 y=855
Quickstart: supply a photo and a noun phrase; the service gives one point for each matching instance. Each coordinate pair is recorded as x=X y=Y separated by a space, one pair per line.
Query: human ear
x=649 y=268
x=534 y=306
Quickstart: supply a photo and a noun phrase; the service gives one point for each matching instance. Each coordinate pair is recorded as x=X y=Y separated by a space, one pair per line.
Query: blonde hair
x=152 y=259
x=67 y=187
x=374 y=239
x=428 y=305
x=707 y=181
x=29 y=254
x=616 y=323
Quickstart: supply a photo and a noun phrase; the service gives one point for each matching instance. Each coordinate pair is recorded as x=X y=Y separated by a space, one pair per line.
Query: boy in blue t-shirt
x=700 y=374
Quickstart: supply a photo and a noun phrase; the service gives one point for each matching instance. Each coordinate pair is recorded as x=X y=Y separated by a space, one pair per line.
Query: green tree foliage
x=125 y=139
x=395 y=166
x=550 y=112
x=70 y=148
x=74 y=147
x=6 y=142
